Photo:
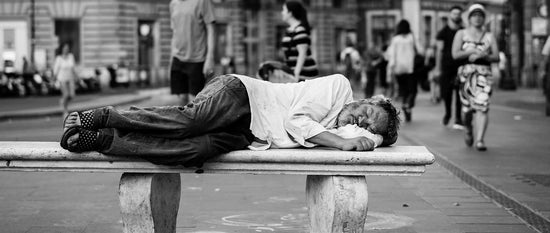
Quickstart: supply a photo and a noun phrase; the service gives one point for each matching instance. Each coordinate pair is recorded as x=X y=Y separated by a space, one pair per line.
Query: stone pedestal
x=149 y=202
x=337 y=203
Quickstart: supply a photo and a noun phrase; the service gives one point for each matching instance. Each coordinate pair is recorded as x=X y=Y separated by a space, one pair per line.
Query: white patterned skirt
x=475 y=87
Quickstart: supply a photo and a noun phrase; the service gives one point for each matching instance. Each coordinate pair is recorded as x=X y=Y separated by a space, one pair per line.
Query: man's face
x=456 y=15
x=365 y=115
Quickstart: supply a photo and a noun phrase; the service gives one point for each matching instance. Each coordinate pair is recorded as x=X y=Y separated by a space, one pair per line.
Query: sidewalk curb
x=528 y=215
x=55 y=111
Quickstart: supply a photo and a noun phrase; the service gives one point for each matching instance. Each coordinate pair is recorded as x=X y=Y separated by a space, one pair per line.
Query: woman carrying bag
x=401 y=66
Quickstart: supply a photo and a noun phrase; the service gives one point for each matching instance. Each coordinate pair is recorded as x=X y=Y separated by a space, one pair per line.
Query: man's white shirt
x=285 y=115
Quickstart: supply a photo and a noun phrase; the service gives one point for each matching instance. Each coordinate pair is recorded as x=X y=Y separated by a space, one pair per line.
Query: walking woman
x=65 y=74
x=401 y=54
x=296 y=43
x=479 y=48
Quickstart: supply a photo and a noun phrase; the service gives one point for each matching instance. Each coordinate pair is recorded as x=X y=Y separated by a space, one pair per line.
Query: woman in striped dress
x=479 y=48
x=297 y=43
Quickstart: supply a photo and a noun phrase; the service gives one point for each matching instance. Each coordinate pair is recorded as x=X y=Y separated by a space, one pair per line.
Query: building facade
x=100 y=33
x=137 y=33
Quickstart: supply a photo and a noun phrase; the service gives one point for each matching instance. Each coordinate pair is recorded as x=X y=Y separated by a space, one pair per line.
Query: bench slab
x=397 y=160
x=336 y=187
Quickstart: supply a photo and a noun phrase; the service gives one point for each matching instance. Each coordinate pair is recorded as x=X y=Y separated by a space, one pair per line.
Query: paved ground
x=438 y=201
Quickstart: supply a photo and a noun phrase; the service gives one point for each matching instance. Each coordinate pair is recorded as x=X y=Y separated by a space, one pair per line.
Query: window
x=68 y=31
x=382 y=29
x=9 y=38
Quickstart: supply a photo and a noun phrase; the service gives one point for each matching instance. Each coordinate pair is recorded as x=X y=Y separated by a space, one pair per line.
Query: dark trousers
x=448 y=87
x=407 y=89
x=186 y=77
x=371 y=83
x=216 y=122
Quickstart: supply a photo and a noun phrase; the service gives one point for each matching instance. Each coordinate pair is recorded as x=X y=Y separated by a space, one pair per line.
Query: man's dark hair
x=456 y=7
x=269 y=66
x=390 y=136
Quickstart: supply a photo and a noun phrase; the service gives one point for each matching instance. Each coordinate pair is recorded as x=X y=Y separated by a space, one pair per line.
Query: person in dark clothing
x=373 y=59
x=446 y=67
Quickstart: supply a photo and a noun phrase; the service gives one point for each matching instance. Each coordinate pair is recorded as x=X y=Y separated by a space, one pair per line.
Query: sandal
x=480 y=146
x=87 y=140
x=86 y=119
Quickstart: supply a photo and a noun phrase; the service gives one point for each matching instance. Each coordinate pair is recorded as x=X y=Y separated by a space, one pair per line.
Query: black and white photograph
x=289 y=116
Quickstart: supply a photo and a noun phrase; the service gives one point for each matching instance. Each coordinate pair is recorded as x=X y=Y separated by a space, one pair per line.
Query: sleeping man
x=235 y=112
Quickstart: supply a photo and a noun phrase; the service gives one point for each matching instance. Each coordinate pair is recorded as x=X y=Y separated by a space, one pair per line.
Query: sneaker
x=458 y=126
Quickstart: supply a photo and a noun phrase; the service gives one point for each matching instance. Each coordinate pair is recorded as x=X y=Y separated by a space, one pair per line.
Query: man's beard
x=457 y=21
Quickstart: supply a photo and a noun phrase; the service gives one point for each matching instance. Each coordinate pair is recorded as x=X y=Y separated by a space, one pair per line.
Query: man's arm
x=332 y=140
x=209 y=62
x=438 y=57
x=302 y=51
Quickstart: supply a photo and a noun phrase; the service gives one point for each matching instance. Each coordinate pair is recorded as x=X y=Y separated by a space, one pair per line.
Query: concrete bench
x=336 y=188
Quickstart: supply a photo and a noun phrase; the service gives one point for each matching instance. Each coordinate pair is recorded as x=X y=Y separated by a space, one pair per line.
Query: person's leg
x=369 y=88
x=468 y=127
x=447 y=96
x=401 y=84
x=382 y=72
x=196 y=79
x=220 y=104
x=191 y=151
x=481 y=123
x=66 y=92
x=179 y=80
x=412 y=86
x=458 y=107
x=403 y=89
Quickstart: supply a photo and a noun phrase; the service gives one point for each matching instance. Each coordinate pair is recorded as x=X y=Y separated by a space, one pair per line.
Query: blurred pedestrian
x=65 y=76
x=545 y=73
x=401 y=59
x=192 y=23
x=383 y=69
x=479 y=47
x=373 y=60
x=28 y=77
x=351 y=59
x=430 y=83
x=446 y=67
x=297 y=43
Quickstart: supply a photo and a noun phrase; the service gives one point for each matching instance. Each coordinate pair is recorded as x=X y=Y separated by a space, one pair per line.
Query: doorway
x=68 y=31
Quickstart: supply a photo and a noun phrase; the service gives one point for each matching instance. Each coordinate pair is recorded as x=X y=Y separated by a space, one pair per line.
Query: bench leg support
x=149 y=202
x=337 y=203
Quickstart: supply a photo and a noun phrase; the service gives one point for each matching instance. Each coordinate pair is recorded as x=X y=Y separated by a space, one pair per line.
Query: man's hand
x=358 y=144
x=208 y=68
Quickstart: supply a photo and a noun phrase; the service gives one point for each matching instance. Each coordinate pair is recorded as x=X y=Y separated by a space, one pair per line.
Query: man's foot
x=77 y=139
x=81 y=119
x=480 y=146
x=71 y=120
